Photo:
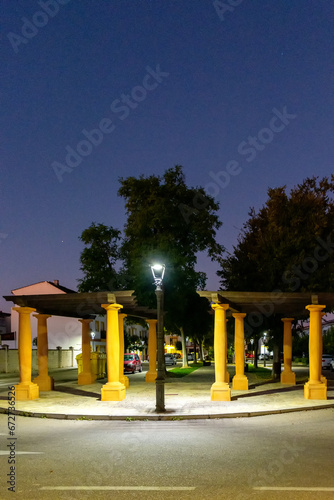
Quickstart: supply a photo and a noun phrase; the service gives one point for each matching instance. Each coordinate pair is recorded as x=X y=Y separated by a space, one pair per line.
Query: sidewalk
x=185 y=398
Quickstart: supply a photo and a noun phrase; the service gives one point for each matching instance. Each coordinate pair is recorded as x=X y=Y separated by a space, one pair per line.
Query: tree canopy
x=99 y=258
x=164 y=225
x=169 y=222
x=288 y=244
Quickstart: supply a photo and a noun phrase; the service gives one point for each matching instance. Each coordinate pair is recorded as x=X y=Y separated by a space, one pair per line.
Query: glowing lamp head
x=158 y=271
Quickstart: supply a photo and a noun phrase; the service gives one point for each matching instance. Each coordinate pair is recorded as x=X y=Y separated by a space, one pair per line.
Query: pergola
x=119 y=304
x=254 y=306
x=84 y=306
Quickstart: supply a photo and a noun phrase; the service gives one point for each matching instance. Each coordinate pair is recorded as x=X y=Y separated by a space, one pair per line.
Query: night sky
x=241 y=96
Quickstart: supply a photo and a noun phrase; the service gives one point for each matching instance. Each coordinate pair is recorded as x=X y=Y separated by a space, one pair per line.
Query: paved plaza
x=185 y=398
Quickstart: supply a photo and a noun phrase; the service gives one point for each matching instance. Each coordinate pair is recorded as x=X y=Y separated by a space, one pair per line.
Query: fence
x=58 y=358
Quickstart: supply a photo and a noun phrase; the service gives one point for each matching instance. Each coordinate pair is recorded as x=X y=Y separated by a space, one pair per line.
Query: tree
x=168 y=222
x=287 y=246
x=197 y=320
x=100 y=258
x=284 y=245
x=328 y=341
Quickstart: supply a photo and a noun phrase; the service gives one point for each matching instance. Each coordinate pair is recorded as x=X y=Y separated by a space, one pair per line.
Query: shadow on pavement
x=77 y=392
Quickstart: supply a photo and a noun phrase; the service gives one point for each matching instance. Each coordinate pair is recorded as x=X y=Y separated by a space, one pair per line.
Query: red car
x=132 y=363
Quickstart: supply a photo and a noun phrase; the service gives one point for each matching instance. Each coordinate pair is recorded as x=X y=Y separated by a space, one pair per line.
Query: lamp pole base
x=160 y=395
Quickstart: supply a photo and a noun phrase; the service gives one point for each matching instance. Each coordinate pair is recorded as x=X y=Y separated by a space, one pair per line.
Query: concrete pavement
x=185 y=398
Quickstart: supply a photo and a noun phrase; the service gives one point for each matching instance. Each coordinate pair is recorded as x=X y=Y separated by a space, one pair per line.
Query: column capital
x=110 y=307
x=151 y=321
x=86 y=320
x=122 y=316
x=287 y=320
x=314 y=307
x=24 y=310
x=44 y=316
x=224 y=307
x=239 y=315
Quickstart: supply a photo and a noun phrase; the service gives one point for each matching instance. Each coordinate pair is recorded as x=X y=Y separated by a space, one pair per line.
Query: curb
x=159 y=417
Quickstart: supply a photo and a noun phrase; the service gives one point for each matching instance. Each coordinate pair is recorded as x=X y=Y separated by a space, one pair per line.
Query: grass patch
x=260 y=372
x=182 y=372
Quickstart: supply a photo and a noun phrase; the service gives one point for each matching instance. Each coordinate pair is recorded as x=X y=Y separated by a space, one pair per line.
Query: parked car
x=132 y=363
x=332 y=365
x=170 y=360
x=190 y=356
x=326 y=361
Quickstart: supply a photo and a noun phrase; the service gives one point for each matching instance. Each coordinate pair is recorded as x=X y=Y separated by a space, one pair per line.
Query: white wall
x=64 y=332
x=9 y=360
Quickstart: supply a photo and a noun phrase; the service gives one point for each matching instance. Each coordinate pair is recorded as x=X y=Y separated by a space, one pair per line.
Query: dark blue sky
x=223 y=81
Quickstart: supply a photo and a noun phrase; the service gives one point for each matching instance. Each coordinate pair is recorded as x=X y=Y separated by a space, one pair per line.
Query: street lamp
x=158 y=271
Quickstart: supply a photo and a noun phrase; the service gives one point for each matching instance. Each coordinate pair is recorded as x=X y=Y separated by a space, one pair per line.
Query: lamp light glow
x=158 y=271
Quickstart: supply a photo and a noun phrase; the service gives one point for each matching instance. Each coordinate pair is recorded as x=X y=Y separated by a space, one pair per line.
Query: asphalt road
x=234 y=459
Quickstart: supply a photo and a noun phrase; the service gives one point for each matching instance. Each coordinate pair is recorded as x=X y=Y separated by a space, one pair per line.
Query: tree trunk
x=201 y=353
x=276 y=371
x=195 y=349
x=256 y=350
x=184 y=349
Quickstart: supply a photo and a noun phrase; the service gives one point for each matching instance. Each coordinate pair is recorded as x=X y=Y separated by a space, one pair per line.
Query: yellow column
x=26 y=389
x=43 y=380
x=314 y=388
x=86 y=376
x=287 y=375
x=240 y=381
x=322 y=378
x=151 y=375
x=122 y=378
x=220 y=390
x=227 y=375
x=113 y=390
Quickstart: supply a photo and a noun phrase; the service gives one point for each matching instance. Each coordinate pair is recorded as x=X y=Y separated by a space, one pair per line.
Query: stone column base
x=113 y=391
x=45 y=383
x=125 y=381
x=150 y=376
x=24 y=392
x=86 y=378
x=288 y=377
x=315 y=390
x=240 y=383
x=220 y=391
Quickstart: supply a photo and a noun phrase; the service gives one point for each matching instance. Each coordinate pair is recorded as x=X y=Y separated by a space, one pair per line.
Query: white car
x=332 y=365
x=326 y=361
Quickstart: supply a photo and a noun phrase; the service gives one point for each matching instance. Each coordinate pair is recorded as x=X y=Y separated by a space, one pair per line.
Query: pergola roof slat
x=82 y=305
x=292 y=304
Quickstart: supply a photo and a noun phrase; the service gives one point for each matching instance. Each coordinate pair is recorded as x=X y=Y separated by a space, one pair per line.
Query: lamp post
x=158 y=271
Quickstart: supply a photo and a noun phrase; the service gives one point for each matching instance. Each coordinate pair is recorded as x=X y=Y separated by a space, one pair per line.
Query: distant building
x=62 y=331
x=327 y=323
x=5 y=331
x=66 y=331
